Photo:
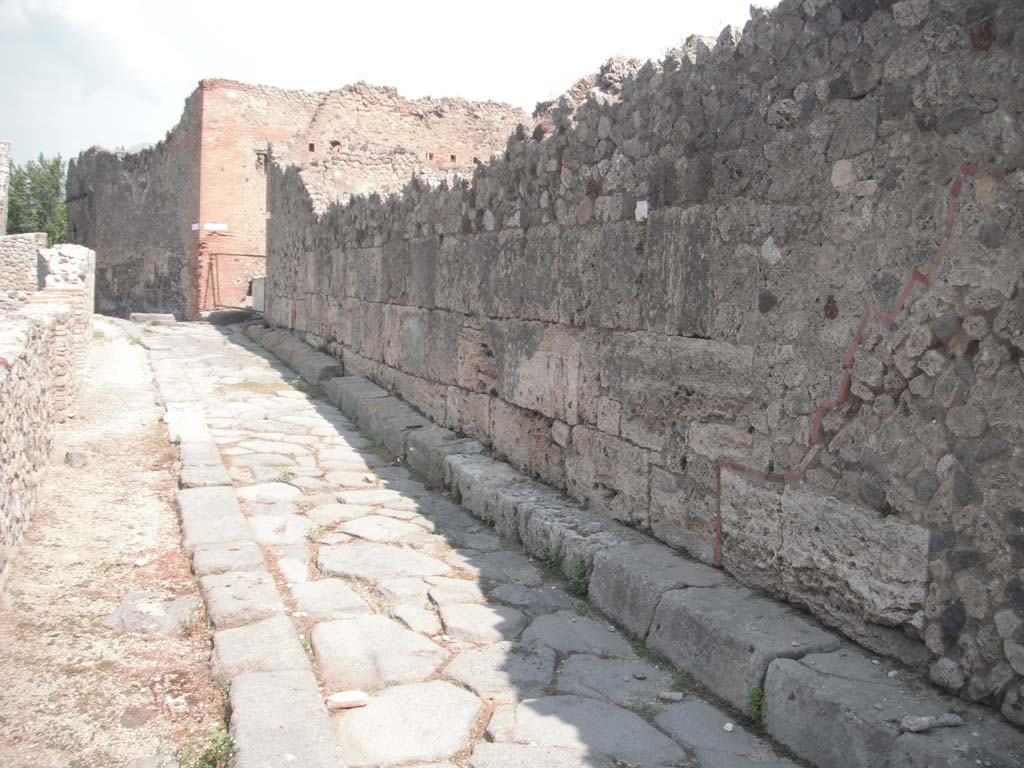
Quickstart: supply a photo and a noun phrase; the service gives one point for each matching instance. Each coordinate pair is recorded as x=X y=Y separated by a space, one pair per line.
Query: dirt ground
x=74 y=693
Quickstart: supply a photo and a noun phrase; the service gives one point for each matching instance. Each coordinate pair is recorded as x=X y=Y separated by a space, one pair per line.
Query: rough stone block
x=221 y=558
x=841 y=709
x=240 y=597
x=627 y=582
x=727 y=636
x=346 y=392
x=315 y=367
x=211 y=516
x=610 y=473
x=429 y=449
x=278 y=718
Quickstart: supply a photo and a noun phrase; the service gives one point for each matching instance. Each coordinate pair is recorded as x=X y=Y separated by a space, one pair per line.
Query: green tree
x=36 y=201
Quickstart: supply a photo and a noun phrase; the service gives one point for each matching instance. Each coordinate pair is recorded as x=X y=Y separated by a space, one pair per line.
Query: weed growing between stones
x=754 y=703
x=553 y=559
x=579 y=579
x=287 y=475
x=456 y=493
x=219 y=750
x=682 y=675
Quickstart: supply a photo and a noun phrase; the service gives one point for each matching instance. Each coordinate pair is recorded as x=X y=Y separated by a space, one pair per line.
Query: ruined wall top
x=5 y=175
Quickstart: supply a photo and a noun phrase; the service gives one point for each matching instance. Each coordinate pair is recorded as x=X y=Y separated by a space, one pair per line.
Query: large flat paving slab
x=370 y=561
x=270 y=645
x=211 y=516
x=278 y=719
x=240 y=597
x=504 y=672
x=409 y=723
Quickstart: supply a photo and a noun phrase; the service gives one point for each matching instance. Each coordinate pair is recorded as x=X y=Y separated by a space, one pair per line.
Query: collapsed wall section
x=136 y=212
x=772 y=290
x=43 y=344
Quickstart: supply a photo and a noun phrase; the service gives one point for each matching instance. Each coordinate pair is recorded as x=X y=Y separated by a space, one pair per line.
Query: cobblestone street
x=356 y=577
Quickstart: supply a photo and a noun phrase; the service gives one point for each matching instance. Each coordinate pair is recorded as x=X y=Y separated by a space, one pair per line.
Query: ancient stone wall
x=5 y=180
x=136 y=211
x=19 y=268
x=771 y=291
x=42 y=356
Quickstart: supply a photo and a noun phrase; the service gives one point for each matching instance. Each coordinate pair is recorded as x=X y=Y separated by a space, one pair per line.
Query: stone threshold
x=823 y=697
x=277 y=715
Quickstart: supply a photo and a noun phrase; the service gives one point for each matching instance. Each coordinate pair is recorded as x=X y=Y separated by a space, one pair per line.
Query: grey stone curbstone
x=347 y=391
x=727 y=636
x=841 y=709
x=278 y=718
x=627 y=582
x=264 y=646
x=204 y=476
x=393 y=424
x=429 y=448
x=186 y=422
x=316 y=367
x=199 y=453
x=211 y=516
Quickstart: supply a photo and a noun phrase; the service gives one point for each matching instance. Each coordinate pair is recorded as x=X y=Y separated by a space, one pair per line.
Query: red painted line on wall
x=888 y=321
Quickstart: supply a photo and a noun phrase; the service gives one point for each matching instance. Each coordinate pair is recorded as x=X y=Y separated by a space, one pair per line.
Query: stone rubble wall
x=43 y=346
x=772 y=288
x=5 y=182
x=136 y=211
x=19 y=268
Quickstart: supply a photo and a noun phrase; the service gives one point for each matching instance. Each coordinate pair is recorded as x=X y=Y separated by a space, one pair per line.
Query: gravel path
x=73 y=691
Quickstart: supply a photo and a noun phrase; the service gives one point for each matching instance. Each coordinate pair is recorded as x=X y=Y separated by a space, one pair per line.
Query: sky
x=78 y=73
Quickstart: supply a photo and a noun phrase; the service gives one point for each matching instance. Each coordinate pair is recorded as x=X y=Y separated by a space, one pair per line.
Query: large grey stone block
x=270 y=645
x=429 y=448
x=221 y=558
x=211 y=516
x=240 y=597
x=316 y=367
x=727 y=636
x=199 y=453
x=627 y=582
x=278 y=719
x=346 y=392
x=841 y=709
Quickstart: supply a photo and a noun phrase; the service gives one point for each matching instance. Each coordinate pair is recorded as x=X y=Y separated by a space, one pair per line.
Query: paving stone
x=186 y=423
x=221 y=558
x=378 y=496
x=504 y=671
x=374 y=562
x=278 y=719
x=199 y=453
x=840 y=709
x=352 y=479
x=593 y=727
x=408 y=723
x=269 y=492
x=239 y=597
x=444 y=590
x=566 y=632
x=204 y=476
x=626 y=583
x=274 y=460
x=381 y=529
x=272 y=509
x=150 y=613
x=210 y=516
x=535 y=600
x=283 y=529
x=281 y=447
x=157 y=761
x=628 y=683
x=504 y=566
x=486 y=755
x=333 y=513
x=270 y=645
x=370 y=652
x=403 y=590
x=417 y=618
x=326 y=599
x=477 y=623
x=293 y=570
x=727 y=636
x=700 y=727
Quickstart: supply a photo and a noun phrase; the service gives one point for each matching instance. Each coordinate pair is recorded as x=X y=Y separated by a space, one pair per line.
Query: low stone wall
x=764 y=302
x=42 y=356
x=19 y=268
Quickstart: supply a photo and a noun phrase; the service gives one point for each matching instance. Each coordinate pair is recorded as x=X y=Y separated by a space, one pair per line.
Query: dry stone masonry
x=44 y=337
x=762 y=300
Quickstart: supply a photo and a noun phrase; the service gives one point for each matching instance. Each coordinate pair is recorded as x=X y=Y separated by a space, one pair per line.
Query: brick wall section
x=136 y=212
x=675 y=278
x=5 y=180
x=19 y=268
x=42 y=356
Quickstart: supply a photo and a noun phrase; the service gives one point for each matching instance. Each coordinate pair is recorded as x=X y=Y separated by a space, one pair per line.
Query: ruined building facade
x=181 y=227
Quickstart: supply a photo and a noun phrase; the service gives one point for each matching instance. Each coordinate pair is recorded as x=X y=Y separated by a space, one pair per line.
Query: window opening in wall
x=430 y=155
x=261 y=160
x=476 y=159
x=335 y=143
x=453 y=158
x=312 y=147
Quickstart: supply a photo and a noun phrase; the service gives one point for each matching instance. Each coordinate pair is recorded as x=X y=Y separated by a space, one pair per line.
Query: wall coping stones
x=731 y=639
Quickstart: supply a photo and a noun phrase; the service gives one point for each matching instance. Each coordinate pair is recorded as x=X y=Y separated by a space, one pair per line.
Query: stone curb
x=745 y=648
x=277 y=714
